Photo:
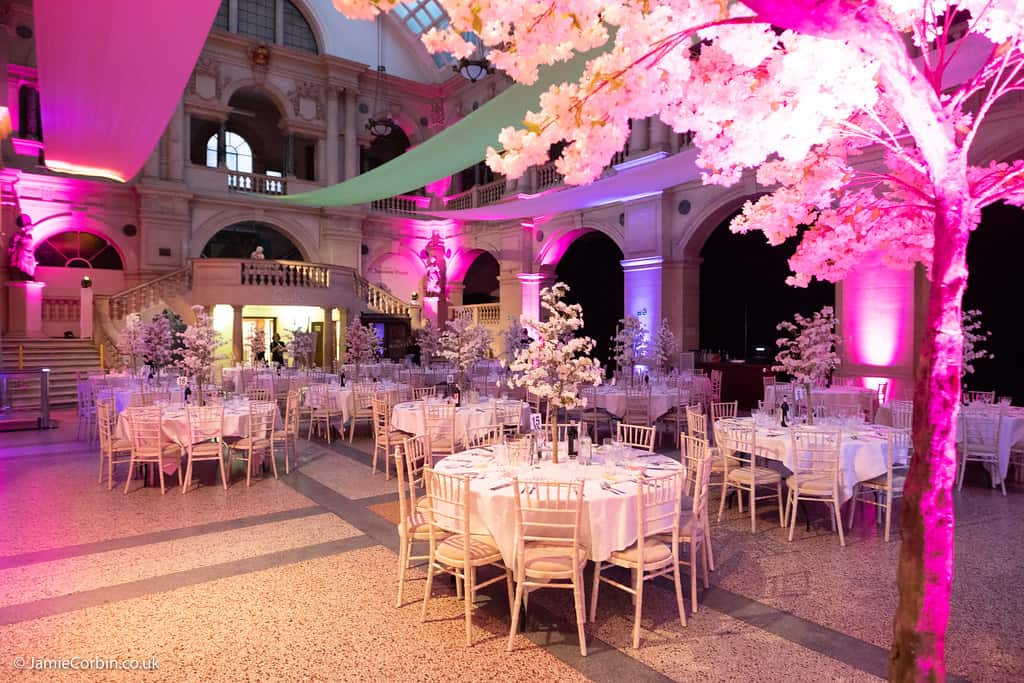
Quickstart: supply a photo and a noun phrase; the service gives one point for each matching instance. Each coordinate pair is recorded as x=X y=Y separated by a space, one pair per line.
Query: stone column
x=659 y=135
x=681 y=300
x=455 y=293
x=289 y=155
x=639 y=140
x=236 y=334
x=222 y=151
x=351 y=139
x=331 y=176
x=642 y=290
x=177 y=143
x=233 y=16
x=85 y=314
x=531 y=284
x=328 y=340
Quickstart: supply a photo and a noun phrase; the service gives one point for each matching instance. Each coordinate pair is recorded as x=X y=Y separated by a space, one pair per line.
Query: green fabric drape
x=457 y=147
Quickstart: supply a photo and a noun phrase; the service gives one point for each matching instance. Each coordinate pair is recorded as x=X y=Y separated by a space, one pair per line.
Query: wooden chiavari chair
x=206 y=440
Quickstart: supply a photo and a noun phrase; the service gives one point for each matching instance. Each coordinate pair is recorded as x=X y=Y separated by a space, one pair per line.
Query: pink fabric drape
x=110 y=75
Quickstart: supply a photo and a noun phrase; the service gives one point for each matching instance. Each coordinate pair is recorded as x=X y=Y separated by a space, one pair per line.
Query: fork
x=608 y=487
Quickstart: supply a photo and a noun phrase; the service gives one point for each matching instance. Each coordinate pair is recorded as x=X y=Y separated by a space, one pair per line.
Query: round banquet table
x=862 y=452
x=408 y=417
x=1011 y=434
x=859 y=397
x=608 y=518
x=613 y=399
x=174 y=424
x=340 y=397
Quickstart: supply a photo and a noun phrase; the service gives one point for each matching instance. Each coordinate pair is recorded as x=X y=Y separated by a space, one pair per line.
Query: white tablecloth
x=613 y=399
x=340 y=397
x=859 y=397
x=1011 y=434
x=175 y=423
x=408 y=417
x=862 y=455
x=608 y=519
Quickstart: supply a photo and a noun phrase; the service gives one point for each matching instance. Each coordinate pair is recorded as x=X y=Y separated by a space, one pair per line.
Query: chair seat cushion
x=207 y=448
x=820 y=485
x=745 y=475
x=121 y=445
x=482 y=549
x=879 y=482
x=248 y=443
x=551 y=558
x=417 y=527
x=655 y=551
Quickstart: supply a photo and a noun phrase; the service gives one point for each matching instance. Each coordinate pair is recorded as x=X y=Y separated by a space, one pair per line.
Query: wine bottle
x=457 y=395
x=571 y=437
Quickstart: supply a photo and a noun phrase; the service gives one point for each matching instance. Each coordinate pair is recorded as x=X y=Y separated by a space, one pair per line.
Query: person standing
x=277 y=348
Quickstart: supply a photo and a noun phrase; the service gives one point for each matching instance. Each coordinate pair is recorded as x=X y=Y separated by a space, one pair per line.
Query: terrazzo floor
x=294 y=579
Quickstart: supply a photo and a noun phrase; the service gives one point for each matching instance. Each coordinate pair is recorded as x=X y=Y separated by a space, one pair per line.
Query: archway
x=481 y=280
x=240 y=240
x=994 y=288
x=744 y=295
x=592 y=268
x=383 y=149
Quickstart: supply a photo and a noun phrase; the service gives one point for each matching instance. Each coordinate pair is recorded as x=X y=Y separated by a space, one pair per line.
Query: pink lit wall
x=531 y=285
x=876 y=318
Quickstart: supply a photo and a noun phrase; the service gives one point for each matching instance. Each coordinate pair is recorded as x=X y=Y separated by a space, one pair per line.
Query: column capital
x=642 y=263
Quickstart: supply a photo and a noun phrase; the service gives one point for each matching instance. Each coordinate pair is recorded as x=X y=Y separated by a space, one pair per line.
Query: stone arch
x=463 y=259
x=710 y=217
x=290 y=229
x=55 y=224
x=401 y=283
x=265 y=87
x=558 y=240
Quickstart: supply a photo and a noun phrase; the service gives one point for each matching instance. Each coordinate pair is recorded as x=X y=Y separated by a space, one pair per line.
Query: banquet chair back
x=984 y=397
x=149 y=444
x=902 y=414
x=420 y=393
x=839 y=410
x=980 y=428
x=768 y=381
x=384 y=437
x=636 y=436
x=816 y=456
x=206 y=440
x=487 y=435
x=260 y=437
x=113 y=451
x=563 y=429
x=439 y=425
x=508 y=415
x=694 y=526
x=696 y=422
x=362 y=405
x=318 y=399
x=289 y=436
x=86 y=395
x=882 y=490
x=638 y=406
x=721 y=410
x=413 y=524
x=716 y=385
x=784 y=392
x=257 y=393
x=548 y=549
x=657 y=515
x=461 y=553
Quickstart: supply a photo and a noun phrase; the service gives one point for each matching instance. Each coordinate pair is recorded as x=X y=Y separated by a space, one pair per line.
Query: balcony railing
x=256 y=183
x=61 y=309
x=140 y=297
x=379 y=300
x=403 y=205
x=488 y=315
x=284 y=274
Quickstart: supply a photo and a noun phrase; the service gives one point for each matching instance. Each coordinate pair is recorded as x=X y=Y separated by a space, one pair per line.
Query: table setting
x=610 y=490
x=408 y=416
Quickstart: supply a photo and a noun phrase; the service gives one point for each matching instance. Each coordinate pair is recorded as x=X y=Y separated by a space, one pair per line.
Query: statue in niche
x=21 y=256
x=434 y=256
x=258 y=254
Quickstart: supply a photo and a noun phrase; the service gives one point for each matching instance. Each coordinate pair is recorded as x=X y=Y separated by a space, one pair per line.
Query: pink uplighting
x=531 y=294
x=97 y=62
x=877 y=315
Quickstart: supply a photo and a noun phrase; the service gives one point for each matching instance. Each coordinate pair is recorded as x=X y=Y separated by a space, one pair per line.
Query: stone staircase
x=64 y=357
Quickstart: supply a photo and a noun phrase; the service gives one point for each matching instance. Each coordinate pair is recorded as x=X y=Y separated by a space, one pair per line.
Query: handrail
x=284 y=274
x=134 y=299
x=380 y=300
x=256 y=183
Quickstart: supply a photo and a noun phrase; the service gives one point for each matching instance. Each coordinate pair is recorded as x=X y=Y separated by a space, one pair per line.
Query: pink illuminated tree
x=858 y=115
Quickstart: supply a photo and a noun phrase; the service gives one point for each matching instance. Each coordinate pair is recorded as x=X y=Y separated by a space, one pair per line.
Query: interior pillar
x=332 y=136
x=236 y=334
x=351 y=140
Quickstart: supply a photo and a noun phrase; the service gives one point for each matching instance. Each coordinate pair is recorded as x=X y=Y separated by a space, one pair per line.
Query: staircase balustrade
x=141 y=297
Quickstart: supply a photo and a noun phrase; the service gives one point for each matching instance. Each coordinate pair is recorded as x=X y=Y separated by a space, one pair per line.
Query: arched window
x=258 y=19
x=76 y=249
x=237 y=154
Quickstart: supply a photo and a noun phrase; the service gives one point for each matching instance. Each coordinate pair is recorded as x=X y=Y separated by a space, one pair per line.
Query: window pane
x=66 y=243
x=256 y=19
x=211 y=151
x=221 y=20
x=90 y=245
x=108 y=259
x=46 y=255
x=297 y=32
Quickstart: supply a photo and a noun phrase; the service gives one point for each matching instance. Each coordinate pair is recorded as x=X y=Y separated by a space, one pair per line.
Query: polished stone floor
x=294 y=579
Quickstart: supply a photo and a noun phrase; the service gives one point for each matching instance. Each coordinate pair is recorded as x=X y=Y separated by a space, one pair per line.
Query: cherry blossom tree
x=975 y=338
x=463 y=344
x=807 y=352
x=629 y=344
x=428 y=338
x=201 y=341
x=132 y=341
x=858 y=115
x=664 y=347
x=158 y=341
x=361 y=343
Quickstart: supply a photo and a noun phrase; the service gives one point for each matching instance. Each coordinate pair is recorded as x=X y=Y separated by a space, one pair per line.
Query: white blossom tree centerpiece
x=158 y=339
x=629 y=344
x=361 y=343
x=200 y=353
x=975 y=337
x=808 y=351
x=302 y=345
x=556 y=362
x=463 y=343
x=257 y=343
x=132 y=342
x=428 y=338
x=666 y=347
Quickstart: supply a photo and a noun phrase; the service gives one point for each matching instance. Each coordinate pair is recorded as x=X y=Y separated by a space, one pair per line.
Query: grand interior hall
x=348 y=340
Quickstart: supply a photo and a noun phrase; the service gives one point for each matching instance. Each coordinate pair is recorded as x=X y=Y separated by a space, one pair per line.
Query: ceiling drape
x=459 y=146
x=111 y=73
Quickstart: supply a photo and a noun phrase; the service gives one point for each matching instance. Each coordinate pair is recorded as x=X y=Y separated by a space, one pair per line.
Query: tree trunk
x=810 y=408
x=926 y=553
